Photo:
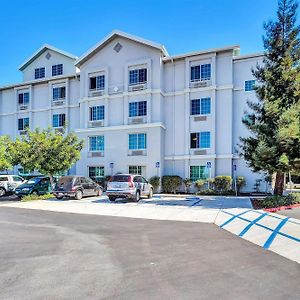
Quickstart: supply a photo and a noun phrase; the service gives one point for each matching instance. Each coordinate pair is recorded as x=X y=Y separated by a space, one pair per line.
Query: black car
x=76 y=187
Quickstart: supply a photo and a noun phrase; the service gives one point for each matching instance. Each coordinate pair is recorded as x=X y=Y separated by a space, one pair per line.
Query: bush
x=187 y=182
x=36 y=197
x=200 y=184
x=155 y=181
x=276 y=201
x=223 y=183
x=240 y=182
x=171 y=183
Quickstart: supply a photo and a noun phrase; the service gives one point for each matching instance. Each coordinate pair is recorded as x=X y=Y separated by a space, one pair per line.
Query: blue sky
x=75 y=26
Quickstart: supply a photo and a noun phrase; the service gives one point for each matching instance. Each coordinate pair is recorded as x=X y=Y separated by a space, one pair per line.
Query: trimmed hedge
x=223 y=183
x=170 y=183
x=155 y=181
x=276 y=201
x=36 y=197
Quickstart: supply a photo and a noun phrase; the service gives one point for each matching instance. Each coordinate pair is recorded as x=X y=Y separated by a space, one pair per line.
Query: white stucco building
x=138 y=108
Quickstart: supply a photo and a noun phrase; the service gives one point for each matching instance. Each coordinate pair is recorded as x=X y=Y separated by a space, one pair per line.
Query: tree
x=46 y=151
x=274 y=144
x=5 y=163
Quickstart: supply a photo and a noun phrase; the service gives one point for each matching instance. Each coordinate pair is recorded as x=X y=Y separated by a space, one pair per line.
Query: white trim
x=200 y=157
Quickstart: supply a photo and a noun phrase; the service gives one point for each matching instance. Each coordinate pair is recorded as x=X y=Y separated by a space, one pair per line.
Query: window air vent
x=118 y=47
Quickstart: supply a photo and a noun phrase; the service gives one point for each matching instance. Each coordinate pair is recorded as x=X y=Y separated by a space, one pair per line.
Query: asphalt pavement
x=50 y=255
x=292 y=213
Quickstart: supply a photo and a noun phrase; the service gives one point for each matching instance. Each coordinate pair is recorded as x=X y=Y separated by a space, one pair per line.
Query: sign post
x=111 y=165
x=234 y=176
x=208 y=165
x=157 y=166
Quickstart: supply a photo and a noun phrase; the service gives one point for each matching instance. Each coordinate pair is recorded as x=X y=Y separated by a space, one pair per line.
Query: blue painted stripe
x=252 y=223
x=195 y=203
x=234 y=217
x=274 y=233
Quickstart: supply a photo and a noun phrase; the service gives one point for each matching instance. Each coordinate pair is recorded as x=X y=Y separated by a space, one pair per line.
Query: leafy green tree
x=46 y=151
x=5 y=162
x=274 y=143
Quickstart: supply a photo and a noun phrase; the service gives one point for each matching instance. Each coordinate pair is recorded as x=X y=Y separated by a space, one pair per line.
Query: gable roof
x=110 y=37
x=40 y=51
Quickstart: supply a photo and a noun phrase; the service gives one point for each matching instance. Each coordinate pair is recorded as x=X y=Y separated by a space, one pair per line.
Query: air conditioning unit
x=96 y=154
x=93 y=124
x=200 y=118
x=23 y=107
x=22 y=132
x=58 y=102
x=137 y=152
x=137 y=120
x=199 y=152
x=199 y=84
x=137 y=87
x=59 y=129
x=96 y=93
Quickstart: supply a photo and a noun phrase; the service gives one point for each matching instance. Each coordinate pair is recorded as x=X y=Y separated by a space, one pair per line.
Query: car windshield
x=121 y=178
x=33 y=180
x=64 y=181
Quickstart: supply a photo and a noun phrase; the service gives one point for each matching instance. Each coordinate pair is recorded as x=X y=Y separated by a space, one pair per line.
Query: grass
x=36 y=197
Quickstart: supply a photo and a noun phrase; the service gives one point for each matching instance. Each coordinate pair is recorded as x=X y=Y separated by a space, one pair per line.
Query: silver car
x=128 y=186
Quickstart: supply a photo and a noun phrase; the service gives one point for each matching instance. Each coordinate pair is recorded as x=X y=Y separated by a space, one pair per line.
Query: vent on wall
x=118 y=47
x=48 y=55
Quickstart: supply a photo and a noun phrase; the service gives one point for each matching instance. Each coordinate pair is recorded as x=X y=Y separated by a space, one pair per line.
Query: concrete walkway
x=275 y=232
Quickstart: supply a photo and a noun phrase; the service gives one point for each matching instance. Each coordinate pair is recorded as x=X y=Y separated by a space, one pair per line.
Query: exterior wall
x=168 y=123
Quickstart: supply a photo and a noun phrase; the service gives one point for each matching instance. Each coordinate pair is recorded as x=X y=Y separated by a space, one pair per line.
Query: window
x=135 y=170
x=249 y=85
x=200 y=140
x=97 y=113
x=200 y=106
x=96 y=172
x=39 y=73
x=59 y=93
x=137 y=141
x=137 y=76
x=201 y=72
x=96 y=143
x=23 y=98
x=137 y=109
x=57 y=69
x=97 y=82
x=197 y=172
x=23 y=123
x=59 y=120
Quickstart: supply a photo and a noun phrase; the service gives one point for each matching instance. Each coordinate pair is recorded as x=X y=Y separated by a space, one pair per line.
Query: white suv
x=8 y=183
x=128 y=186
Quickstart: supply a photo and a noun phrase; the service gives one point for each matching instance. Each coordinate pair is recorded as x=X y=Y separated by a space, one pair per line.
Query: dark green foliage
x=240 y=182
x=171 y=183
x=5 y=160
x=155 y=181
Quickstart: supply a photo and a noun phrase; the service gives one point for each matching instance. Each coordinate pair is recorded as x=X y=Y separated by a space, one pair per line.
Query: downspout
x=173 y=86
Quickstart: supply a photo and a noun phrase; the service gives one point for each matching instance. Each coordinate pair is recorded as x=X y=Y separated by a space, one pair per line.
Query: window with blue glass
x=201 y=106
x=39 y=73
x=58 y=120
x=97 y=113
x=97 y=82
x=200 y=140
x=249 y=85
x=197 y=172
x=96 y=143
x=137 y=141
x=137 y=76
x=57 y=70
x=23 y=98
x=137 y=109
x=59 y=93
x=201 y=72
x=23 y=123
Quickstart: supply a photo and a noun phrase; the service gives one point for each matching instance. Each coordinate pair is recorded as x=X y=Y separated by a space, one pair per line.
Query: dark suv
x=76 y=187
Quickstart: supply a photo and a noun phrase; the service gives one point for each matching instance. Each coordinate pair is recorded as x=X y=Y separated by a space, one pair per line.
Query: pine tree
x=274 y=121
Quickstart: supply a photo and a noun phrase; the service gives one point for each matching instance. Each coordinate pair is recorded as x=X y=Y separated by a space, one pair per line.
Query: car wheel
x=59 y=198
x=78 y=195
x=112 y=199
x=150 y=194
x=137 y=197
x=2 y=192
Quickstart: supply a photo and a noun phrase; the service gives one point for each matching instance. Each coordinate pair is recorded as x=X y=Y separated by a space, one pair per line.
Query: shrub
x=155 y=181
x=276 y=201
x=240 y=182
x=171 y=183
x=200 y=184
x=36 y=197
x=211 y=192
x=223 y=183
x=187 y=182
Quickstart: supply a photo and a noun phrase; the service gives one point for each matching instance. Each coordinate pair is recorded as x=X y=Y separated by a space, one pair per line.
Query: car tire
x=137 y=196
x=112 y=199
x=59 y=198
x=150 y=194
x=78 y=195
x=2 y=192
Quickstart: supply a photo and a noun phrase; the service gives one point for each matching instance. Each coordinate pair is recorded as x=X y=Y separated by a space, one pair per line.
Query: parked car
x=77 y=187
x=128 y=186
x=35 y=186
x=8 y=183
